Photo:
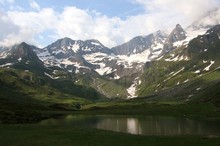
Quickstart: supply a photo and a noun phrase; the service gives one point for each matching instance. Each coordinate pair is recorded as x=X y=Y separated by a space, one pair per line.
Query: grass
x=110 y=88
x=36 y=135
x=141 y=107
x=44 y=135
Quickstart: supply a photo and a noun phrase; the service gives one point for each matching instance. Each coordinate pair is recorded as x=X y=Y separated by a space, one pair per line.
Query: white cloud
x=7 y=26
x=34 y=5
x=72 y=22
x=75 y=23
x=211 y=19
x=27 y=25
x=6 y=1
x=85 y=24
x=173 y=11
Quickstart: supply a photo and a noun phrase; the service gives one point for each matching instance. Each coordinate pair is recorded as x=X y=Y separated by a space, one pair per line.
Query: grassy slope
x=111 y=88
x=24 y=97
x=160 y=80
x=107 y=87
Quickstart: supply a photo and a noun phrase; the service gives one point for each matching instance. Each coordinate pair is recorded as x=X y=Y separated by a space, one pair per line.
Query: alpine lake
x=142 y=125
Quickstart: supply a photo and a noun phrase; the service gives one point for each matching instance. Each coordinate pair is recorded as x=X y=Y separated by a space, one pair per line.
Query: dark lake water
x=143 y=125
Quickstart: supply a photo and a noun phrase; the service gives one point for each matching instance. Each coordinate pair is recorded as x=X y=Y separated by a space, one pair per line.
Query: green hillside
x=25 y=93
x=186 y=74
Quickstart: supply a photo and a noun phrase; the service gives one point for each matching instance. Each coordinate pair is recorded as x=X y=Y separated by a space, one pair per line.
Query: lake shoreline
x=112 y=108
x=33 y=134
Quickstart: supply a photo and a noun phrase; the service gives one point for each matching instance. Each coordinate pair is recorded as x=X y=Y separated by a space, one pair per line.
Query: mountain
x=149 y=46
x=140 y=67
x=190 y=73
x=22 y=57
x=178 y=34
x=66 y=52
x=91 y=57
x=204 y=46
x=140 y=44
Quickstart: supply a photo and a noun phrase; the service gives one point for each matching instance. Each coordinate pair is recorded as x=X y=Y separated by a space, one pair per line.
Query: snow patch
x=55 y=71
x=204 y=61
x=139 y=82
x=58 y=52
x=187 y=80
x=178 y=71
x=180 y=43
x=3 y=55
x=190 y=34
x=160 y=58
x=75 y=47
x=7 y=64
x=137 y=58
x=135 y=50
x=190 y=96
x=19 y=59
x=70 y=70
x=171 y=73
x=208 y=67
x=103 y=69
x=132 y=89
x=197 y=72
x=116 y=77
x=94 y=43
x=97 y=57
x=174 y=74
x=77 y=71
x=54 y=78
x=177 y=58
x=67 y=62
x=217 y=68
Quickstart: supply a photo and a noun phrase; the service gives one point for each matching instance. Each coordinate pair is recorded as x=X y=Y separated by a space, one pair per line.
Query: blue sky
x=112 y=22
x=111 y=8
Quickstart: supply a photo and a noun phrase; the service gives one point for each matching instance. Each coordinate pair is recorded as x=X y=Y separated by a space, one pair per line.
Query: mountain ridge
x=89 y=63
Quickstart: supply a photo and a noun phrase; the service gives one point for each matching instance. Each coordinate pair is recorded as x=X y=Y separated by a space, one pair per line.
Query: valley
x=175 y=74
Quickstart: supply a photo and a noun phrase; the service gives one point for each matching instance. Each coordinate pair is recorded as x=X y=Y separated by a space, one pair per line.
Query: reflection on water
x=144 y=125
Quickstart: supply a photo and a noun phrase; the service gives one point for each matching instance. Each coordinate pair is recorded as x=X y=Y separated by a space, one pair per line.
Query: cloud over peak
x=50 y=24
